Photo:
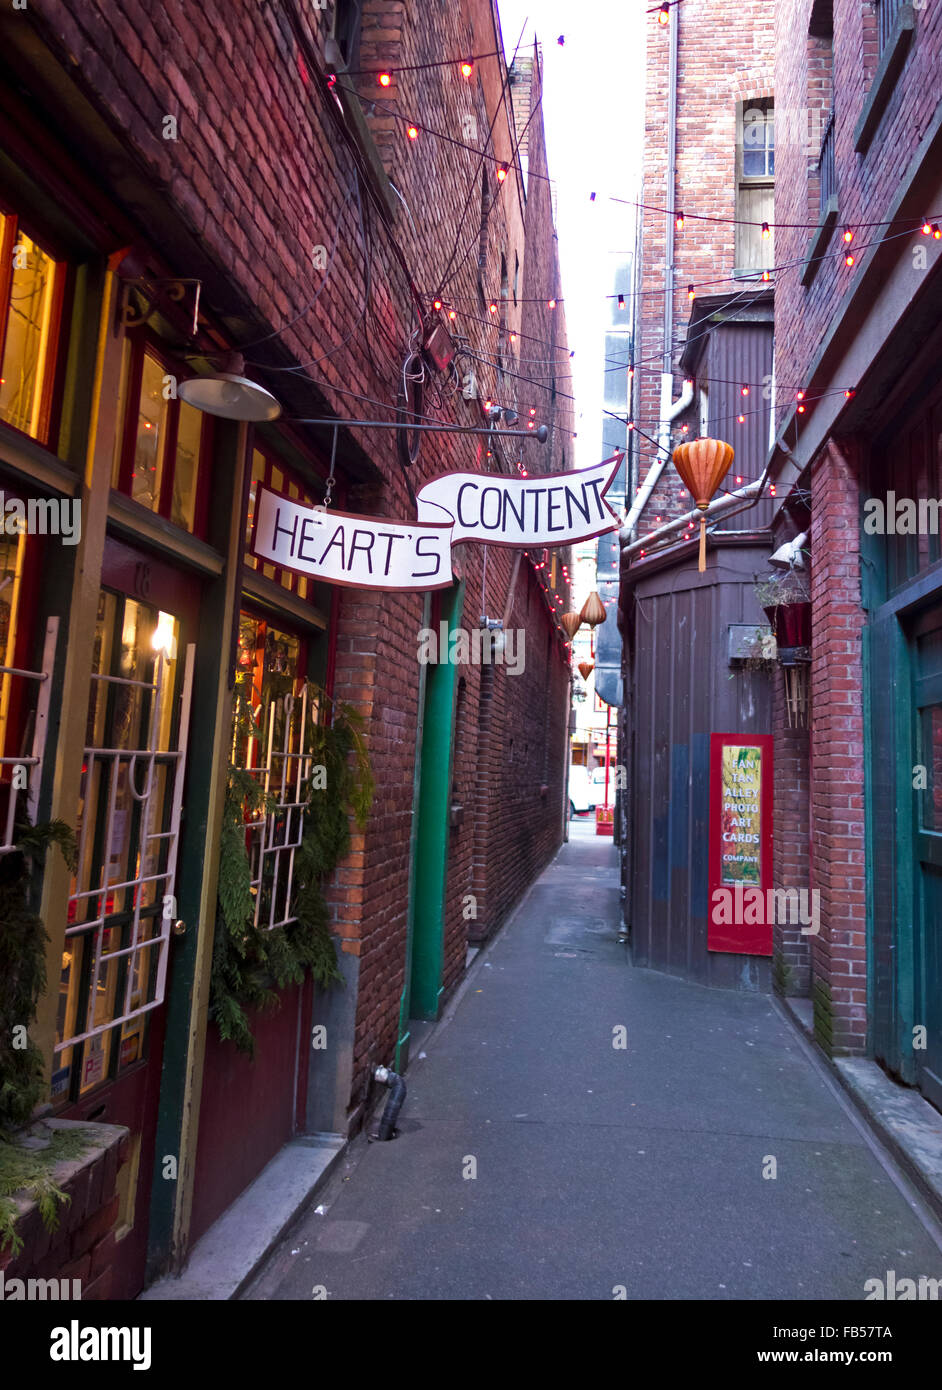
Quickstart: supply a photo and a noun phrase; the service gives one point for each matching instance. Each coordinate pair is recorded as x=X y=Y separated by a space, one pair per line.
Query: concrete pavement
x=599 y=1168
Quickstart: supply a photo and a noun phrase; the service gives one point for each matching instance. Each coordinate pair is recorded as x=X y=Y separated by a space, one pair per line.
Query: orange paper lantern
x=586 y=668
x=571 y=622
x=703 y=464
x=593 y=610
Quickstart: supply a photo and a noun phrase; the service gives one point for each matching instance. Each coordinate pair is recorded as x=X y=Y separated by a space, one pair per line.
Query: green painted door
x=927 y=944
x=427 y=923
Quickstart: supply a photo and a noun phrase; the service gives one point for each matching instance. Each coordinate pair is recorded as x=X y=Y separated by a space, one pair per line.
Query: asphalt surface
x=601 y=1169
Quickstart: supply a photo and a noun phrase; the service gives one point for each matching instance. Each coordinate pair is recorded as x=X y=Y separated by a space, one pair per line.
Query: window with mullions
x=31 y=294
x=755 y=185
x=268 y=471
x=162 y=446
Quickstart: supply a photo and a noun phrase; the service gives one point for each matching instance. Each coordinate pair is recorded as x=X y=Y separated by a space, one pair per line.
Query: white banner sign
x=369 y=552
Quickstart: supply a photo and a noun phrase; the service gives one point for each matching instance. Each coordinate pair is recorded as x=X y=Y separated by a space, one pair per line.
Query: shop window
x=269 y=471
x=110 y=976
x=162 y=445
x=20 y=563
x=31 y=291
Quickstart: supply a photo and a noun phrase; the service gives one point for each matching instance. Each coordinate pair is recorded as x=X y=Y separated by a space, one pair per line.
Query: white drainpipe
x=669 y=413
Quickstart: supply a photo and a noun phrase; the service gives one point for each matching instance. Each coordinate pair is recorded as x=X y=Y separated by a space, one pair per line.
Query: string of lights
x=930 y=224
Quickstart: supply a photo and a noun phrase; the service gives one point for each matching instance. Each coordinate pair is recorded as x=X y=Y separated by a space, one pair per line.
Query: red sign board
x=739 y=915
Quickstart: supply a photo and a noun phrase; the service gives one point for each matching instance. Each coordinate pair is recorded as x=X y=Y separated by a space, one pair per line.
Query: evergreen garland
x=23 y=967
x=250 y=965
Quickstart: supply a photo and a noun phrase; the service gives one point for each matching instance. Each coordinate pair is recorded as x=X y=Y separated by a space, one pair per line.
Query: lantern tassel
x=702 y=544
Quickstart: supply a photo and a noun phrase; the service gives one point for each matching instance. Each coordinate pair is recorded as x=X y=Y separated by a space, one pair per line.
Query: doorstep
x=907 y=1124
x=232 y=1251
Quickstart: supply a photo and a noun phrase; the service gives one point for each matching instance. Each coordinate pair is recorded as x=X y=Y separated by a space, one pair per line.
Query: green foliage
x=250 y=965
x=23 y=966
x=28 y=1172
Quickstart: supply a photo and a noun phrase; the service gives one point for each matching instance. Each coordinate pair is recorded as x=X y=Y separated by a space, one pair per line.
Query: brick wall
x=264 y=169
x=82 y=1243
x=866 y=182
x=838 y=952
x=725 y=57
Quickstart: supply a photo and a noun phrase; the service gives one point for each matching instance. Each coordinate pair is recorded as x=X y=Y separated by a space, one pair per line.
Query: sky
x=593 y=106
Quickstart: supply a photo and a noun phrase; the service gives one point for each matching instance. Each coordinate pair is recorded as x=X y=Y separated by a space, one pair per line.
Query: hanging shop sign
x=741 y=908
x=369 y=552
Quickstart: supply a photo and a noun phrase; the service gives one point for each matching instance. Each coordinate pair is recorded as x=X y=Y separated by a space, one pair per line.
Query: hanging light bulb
x=766 y=275
x=385 y=79
x=926 y=228
x=452 y=315
x=742 y=419
x=493 y=308
x=501 y=172
x=412 y=132
x=848 y=235
x=621 y=301
x=690 y=294
x=664 y=14
x=745 y=390
x=766 y=231
x=849 y=259
x=936 y=232
x=679 y=222
x=437 y=304
x=467 y=68
x=849 y=393
x=551 y=304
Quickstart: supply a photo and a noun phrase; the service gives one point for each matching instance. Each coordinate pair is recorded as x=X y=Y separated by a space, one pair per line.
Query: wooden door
x=123 y=908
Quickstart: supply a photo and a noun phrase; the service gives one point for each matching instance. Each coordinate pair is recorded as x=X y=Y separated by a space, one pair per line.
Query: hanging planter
x=786 y=602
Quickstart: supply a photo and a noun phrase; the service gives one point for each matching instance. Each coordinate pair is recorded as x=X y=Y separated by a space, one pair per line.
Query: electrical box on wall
x=750 y=642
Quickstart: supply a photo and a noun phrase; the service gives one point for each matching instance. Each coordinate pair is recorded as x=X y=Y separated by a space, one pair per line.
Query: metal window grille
x=286 y=764
x=40 y=725
x=155 y=862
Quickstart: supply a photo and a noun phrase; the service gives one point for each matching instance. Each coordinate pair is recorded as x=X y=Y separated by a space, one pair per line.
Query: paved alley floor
x=598 y=1167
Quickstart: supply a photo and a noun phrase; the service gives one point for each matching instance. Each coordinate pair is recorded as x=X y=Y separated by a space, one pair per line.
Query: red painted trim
x=744 y=938
x=332 y=621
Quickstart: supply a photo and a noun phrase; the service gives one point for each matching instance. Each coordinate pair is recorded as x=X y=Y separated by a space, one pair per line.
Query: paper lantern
x=593 y=610
x=571 y=622
x=586 y=668
x=703 y=464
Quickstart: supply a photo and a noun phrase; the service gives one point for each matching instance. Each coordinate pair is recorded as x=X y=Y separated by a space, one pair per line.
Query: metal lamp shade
x=702 y=465
x=233 y=397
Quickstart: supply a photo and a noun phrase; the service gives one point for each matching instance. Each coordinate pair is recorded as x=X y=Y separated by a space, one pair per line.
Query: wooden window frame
x=50 y=404
x=142 y=344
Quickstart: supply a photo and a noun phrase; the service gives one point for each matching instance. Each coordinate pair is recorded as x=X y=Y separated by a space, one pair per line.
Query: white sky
x=593 y=105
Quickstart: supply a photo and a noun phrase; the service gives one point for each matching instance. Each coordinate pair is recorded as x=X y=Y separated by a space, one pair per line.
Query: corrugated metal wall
x=742 y=353
x=682 y=690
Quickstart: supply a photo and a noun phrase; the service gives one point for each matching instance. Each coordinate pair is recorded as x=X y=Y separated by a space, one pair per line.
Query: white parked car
x=580 y=789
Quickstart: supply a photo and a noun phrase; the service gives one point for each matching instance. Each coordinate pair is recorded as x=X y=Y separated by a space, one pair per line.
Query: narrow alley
x=603 y=1172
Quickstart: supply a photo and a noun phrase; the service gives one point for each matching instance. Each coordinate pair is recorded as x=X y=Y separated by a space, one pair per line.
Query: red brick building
x=857 y=305
x=249 y=151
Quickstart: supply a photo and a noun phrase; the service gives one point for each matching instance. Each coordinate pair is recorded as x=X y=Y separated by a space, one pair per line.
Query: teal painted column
x=431 y=850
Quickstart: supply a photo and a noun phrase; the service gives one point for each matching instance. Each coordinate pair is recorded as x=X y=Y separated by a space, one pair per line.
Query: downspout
x=668 y=411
